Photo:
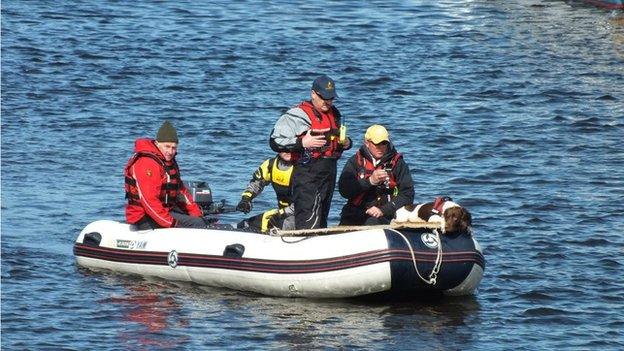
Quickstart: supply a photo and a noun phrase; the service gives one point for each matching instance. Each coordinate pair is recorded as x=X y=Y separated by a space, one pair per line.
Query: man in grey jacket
x=312 y=132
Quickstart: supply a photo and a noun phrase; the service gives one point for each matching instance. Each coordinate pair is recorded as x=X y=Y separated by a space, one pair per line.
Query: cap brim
x=379 y=140
x=327 y=96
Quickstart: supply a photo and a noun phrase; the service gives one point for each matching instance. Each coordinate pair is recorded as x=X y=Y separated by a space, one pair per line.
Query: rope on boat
x=436 y=226
x=433 y=276
x=353 y=228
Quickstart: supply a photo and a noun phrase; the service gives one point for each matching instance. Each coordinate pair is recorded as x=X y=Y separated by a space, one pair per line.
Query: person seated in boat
x=276 y=171
x=376 y=181
x=157 y=197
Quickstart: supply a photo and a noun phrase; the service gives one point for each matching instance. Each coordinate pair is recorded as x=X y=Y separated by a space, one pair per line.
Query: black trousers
x=313 y=188
x=184 y=221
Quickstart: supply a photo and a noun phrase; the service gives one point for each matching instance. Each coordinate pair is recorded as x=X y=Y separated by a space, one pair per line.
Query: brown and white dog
x=453 y=218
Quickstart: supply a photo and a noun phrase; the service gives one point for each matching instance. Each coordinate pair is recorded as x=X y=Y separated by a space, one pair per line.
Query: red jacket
x=154 y=186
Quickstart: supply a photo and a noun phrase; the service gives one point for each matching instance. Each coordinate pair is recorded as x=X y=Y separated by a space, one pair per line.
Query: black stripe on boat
x=399 y=256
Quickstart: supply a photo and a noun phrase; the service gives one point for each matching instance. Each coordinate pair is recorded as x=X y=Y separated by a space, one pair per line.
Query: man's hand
x=312 y=141
x=244 y=205
x=374 y=212
x=216 y=207
x=379 y=176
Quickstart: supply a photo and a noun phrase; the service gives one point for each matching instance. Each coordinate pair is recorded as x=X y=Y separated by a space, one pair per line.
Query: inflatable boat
x=333 y=265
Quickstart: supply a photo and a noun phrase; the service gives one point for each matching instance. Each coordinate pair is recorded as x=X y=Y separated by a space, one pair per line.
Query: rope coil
x=433 y=276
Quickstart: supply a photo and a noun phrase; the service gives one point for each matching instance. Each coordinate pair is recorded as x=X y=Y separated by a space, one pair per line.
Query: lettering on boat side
x=124 y=244
x=430 y=240
x=172 y=259
x=139 y=245
x=131 y=244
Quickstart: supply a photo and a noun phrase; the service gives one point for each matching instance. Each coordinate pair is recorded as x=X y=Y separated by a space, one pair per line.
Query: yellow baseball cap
x=377 y=133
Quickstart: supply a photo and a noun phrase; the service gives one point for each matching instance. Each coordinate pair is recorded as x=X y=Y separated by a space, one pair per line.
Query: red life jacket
x=366 y=169
x=321 y=120
x=168 y=190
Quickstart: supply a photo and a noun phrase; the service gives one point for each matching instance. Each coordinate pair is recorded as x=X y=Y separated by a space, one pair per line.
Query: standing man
x=375 y=180
x=311 y=131
x=156 y=194
x=276 y=171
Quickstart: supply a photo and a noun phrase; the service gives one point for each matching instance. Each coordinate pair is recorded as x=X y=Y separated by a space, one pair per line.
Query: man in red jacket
x=156 y=194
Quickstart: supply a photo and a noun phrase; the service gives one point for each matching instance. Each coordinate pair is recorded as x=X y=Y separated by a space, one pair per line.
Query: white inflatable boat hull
x=327 y=266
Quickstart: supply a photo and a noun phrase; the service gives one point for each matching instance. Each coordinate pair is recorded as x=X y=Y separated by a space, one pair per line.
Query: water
x=513 y=108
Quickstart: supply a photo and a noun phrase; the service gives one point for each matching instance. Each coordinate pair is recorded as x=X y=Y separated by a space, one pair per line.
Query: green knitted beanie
x=167 y=133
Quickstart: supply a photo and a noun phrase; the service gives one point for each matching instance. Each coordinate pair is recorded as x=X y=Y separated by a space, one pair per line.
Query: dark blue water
x=513 y=108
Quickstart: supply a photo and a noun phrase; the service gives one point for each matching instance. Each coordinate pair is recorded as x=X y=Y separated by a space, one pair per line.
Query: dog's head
x=457 y=220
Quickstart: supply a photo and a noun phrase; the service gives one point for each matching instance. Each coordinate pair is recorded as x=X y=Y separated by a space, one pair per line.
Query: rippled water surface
x=513 y=108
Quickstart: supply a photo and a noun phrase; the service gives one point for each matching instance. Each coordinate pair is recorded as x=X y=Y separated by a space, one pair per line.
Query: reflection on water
x=150 y=312
x=163 y=311
x=617 y=24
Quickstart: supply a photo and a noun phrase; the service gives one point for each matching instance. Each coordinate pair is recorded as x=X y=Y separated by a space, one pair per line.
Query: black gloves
x=216 y=207
x=244 y=205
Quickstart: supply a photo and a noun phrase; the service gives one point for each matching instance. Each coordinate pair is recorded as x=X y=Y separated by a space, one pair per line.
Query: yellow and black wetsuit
x=278 y=173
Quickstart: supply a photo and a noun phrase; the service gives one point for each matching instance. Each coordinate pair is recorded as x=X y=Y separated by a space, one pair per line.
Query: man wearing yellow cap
x=376 y=181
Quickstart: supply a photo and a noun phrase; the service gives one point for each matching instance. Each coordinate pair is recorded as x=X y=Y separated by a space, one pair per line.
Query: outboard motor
x=200 y=191
x=202 y=195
